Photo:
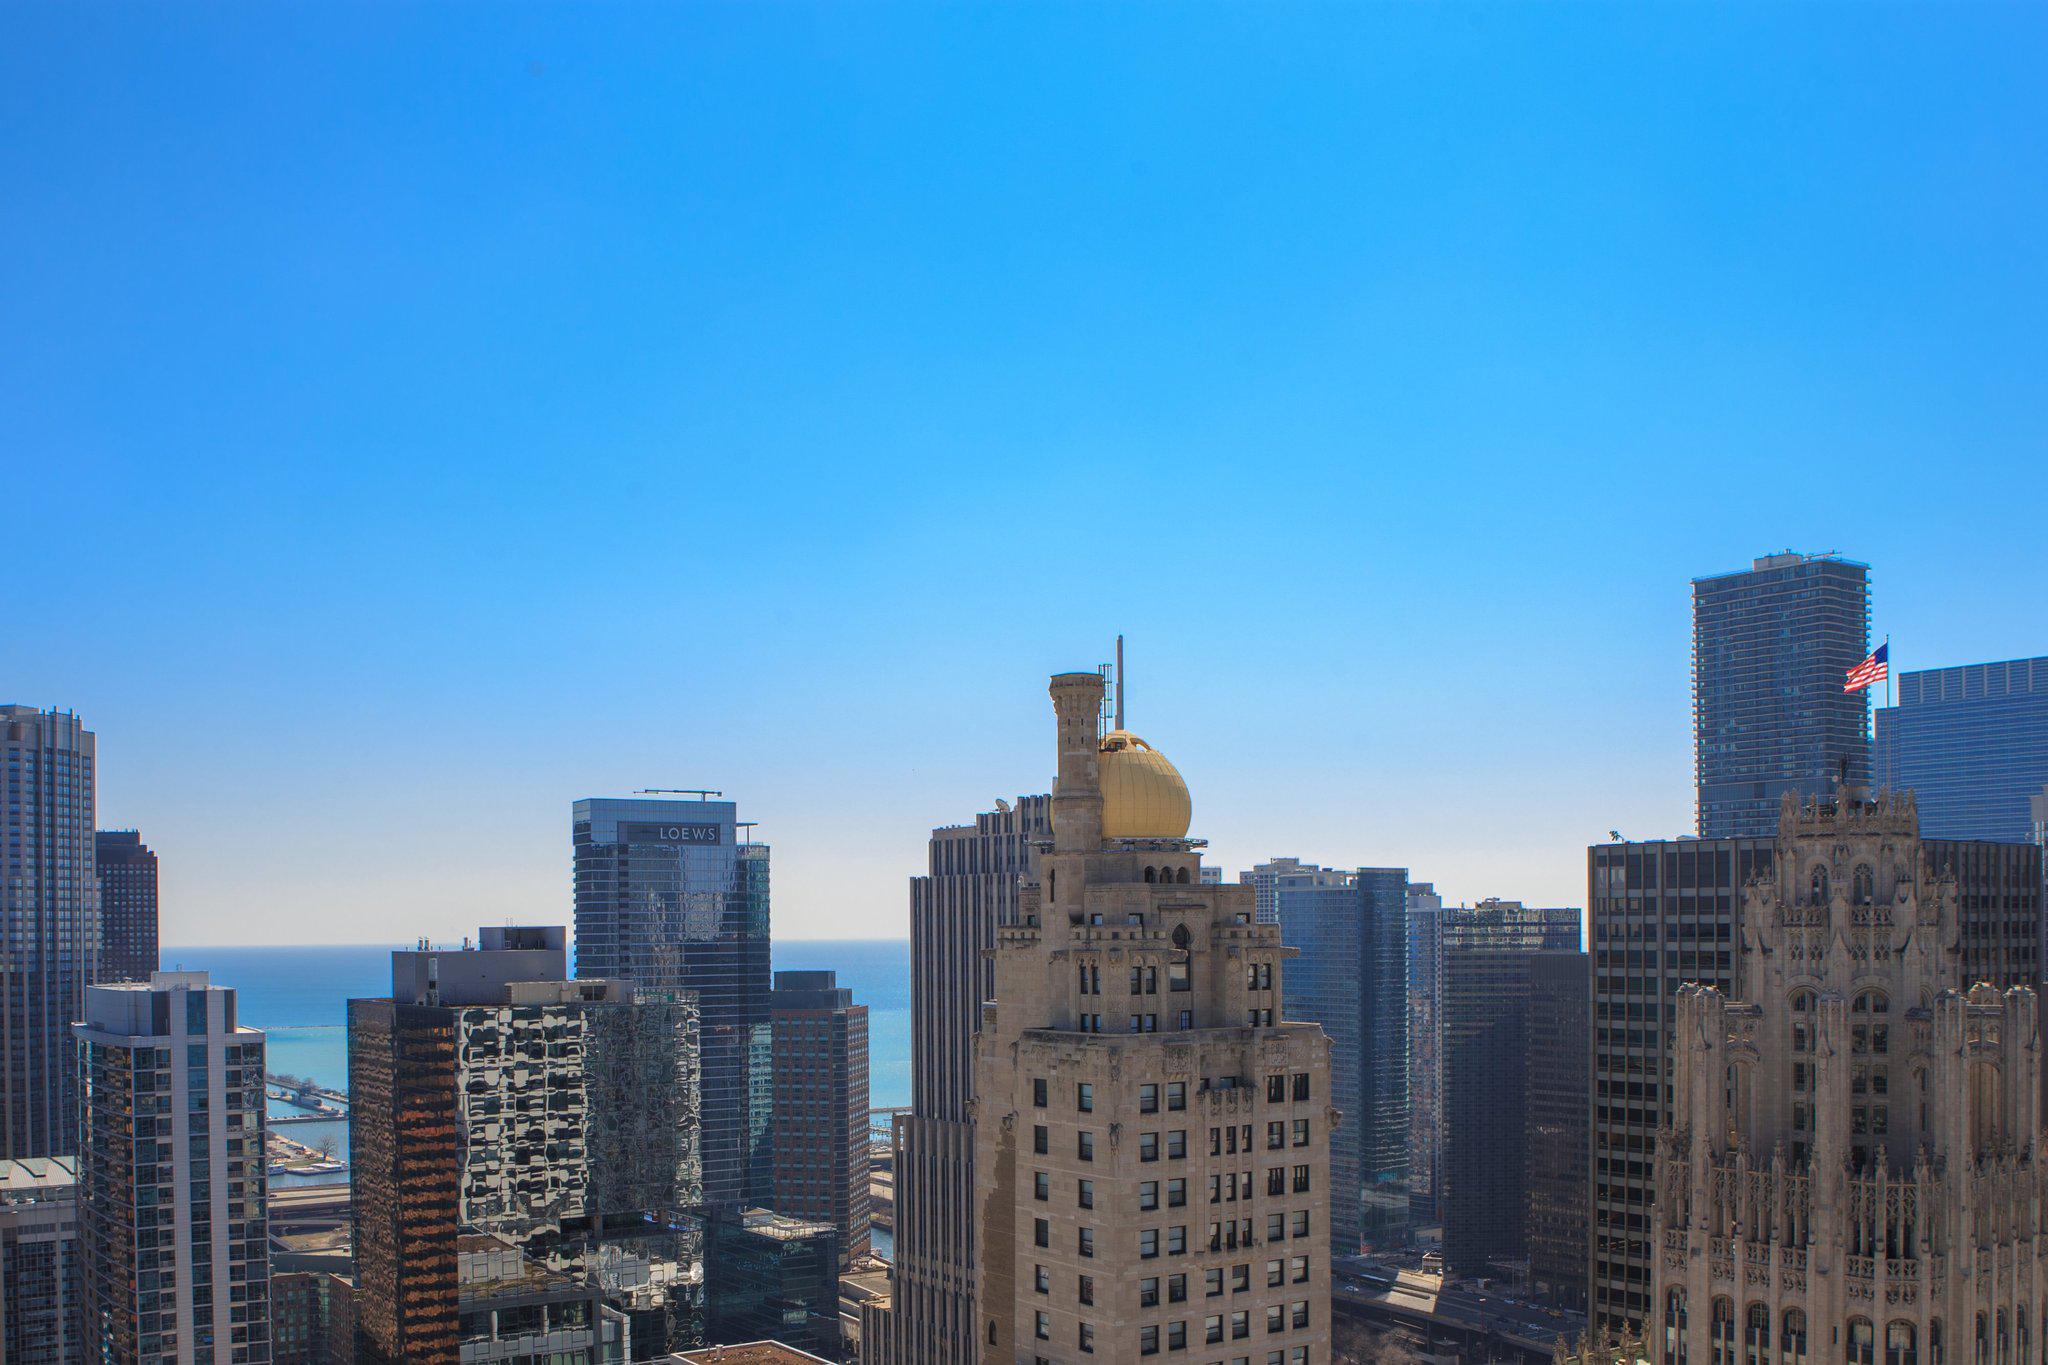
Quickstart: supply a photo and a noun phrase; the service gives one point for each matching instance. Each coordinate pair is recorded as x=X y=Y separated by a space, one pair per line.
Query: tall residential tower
x=1151 y=1135
x=50 y=905
x=1771 y=646
x=128 y=908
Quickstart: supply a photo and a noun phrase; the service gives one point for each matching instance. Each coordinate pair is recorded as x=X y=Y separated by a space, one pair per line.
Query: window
x=1176 y=1336
x=1085 y=1194
x=1297 y=1314
x=1085 y=1290
x=1240 y=1277
x=1038 y=1091
x=1148 y=1099
x=1276 y=1180
x=1276 y=1135
x=1041 y=1280
x=1087 y=1244
x=1148 y=1244
x=1300 y=1228
x=1276 y=1318
x=1148 y=1293
x=1084 y=1145
x=1213 y=1280
x=1276 y=1089
x=1902 y=1345
x=1756 y=1335
x=1084 y=1097
x=1039 y=1140
x=1185 y=1020
x=1042 y=1326
x=1301 y=1179
x=1240 y=1325
x=1212 y=1328
x=1148 y=1146
x=1177 y=1241
x=1301 y=1132
x=1176 y=1096
x=1297 y=1269
x=1177 y=1143
x=1041 y=1186
x=1862 y=1342
x=1176 y=1193
x=1300 y=1085
x=1087 y=1339
x=1041 y=1232
x=1148 y=1196
x=1176 y=1289
x=1276 y=1273
x=1148 y=1341
x=1791 y=1334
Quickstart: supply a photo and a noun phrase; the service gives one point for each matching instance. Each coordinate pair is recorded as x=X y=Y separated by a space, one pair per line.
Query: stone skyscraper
x=970 y=886
x=173 y=1233
x=1771 y=646
x=1151 y=1135
x=128 y=905
x=669 y=898
x=1669 y=913
x=1852 y=1170
x=50 y=907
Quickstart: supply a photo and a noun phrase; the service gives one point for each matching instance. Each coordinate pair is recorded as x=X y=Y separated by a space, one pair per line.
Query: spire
x=1119 y=681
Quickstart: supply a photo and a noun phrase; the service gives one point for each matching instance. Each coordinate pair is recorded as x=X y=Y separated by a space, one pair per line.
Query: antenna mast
x=1119 y=681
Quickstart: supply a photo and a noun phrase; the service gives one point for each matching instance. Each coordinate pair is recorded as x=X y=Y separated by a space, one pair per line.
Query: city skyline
x=696 y=371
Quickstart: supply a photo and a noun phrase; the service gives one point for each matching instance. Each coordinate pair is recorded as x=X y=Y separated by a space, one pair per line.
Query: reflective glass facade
x=669 y=899
x=1771 y=648
x=1972 y=743
x=1351 y=930
x=49 y=903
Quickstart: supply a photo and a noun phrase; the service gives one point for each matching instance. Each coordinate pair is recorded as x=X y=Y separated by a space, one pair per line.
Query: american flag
x=1872 y=670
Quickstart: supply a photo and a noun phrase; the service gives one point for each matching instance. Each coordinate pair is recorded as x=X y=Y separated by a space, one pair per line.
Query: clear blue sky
x=416 y=419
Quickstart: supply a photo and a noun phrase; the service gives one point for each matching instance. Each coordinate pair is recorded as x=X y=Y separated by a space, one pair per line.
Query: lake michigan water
x=299 y=998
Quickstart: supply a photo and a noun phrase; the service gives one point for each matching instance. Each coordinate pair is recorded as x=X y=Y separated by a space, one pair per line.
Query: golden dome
x=1143 y=796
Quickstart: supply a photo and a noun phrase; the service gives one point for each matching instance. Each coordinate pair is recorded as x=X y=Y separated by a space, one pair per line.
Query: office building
x=50 y=901
x=40 y=1304
x=1350 y=930
x=1265 y=880
x=128 y=914
x=1558 y=1125
x=298 y=1317
x=772 y=1276
x=1425 y=1068
x=821 y=1106
x=1853 y=1162
x=1487 y=954
x=970 y=886
x=1665 y=914
x=1772 y=646
x=1152 y=1135
x=670 y=898
x=492 y=1097
x=1972 y=744
x=172 y=1230
x=517 y=1310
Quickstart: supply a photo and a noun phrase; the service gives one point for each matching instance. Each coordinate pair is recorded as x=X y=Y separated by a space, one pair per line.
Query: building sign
x=671 y=834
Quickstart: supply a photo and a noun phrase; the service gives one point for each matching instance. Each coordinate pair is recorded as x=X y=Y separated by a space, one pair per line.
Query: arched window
x=1862 y=1342
x=2020 y=1337
x=1863 y=890
x=1901 y=1344
x=1181 y=876
x=1818 y=887
x=1792 y=1337
x=1937 y=1349
x=1721 y=1333
x=2004 y=1342
x=1756 y=1335
x=1674 y=1328
x=1983 y=1356
x=1151 y=874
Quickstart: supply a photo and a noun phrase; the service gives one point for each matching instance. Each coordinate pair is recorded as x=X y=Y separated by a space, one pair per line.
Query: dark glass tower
x=128 y=914
x=669 y=899
x=821 y=1106
x=1351 y=930
x=1560 y=1051
x=50 y=903
x=1488 y=953
x=1771 y=646
x=1972 y=743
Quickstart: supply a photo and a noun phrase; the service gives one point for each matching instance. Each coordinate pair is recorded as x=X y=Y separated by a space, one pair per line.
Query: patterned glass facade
x=49 y=905
x=1972 y=744
x=1351 y=930
x=668 y=898
x=1771 y=647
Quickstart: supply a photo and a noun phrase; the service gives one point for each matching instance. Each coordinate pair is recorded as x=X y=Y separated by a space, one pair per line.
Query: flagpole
x=1888 y=765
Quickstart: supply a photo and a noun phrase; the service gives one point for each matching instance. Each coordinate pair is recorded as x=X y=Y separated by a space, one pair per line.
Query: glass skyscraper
x=1351 y=929
x=668 y=898
x=1972 y=743
x=1771 y=647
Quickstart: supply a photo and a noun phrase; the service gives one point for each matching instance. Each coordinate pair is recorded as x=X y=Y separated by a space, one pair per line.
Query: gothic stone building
x=1853 y=1167
x=1151 y=1136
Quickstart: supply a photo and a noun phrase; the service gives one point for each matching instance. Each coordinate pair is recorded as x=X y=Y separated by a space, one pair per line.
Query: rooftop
x=36 y=1178
x=749 y=1353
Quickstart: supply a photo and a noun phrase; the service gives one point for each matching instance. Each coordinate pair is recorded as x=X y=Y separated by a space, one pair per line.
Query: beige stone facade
x=1853 y=1167
x=1152 y=1138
